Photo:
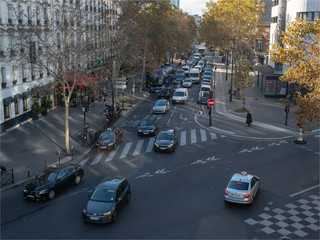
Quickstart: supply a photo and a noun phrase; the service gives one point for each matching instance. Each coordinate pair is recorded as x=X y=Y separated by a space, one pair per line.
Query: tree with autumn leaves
x=300 y=51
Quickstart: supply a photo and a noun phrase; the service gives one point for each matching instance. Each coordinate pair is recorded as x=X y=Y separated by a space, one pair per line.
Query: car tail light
x=225 y=192
x=247 y=195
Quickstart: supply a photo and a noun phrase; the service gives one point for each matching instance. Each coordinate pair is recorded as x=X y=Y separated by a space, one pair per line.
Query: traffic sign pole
x=210 y=103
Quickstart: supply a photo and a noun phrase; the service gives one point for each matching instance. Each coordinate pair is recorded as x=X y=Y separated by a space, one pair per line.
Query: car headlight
x=107 y=213
x=25 y=190
x=139 y=130
x=151 y=130
x=43 y=191
x=110 y=144
x=84 y=211
x=171 y=145
x=156 y=144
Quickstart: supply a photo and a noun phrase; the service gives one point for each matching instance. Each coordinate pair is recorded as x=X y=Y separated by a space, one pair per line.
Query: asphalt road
x=180 y=194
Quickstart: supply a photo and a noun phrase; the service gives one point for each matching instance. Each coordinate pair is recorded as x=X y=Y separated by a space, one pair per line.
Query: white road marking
x=83 y=162
x=150 y=145
x=213 y=135
x=193 y=136
x=307 y=189
x=111 y=155
x=126 y=150
x=203 y=135
x=138 y=147
x=97 y=159
x=183 y=138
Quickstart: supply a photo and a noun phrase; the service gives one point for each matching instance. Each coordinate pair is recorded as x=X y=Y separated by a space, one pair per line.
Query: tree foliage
x=231 y=23
x=301 y=53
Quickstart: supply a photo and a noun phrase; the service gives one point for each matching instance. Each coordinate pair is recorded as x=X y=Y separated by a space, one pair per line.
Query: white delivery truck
x=194 y=74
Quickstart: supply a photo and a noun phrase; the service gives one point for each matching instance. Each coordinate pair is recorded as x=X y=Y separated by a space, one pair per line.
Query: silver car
x=242 y=188
x=161 y=106
x=187 y=83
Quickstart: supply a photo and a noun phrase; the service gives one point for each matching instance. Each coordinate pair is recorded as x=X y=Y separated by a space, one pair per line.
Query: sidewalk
x=268 y=113
x=30 y=147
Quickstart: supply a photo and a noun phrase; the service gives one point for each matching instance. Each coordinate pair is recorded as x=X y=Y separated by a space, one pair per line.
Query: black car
x=106 y=200
x=53 y=180
x=203 y=98
x=148 y=126
x=109 y=139
x=165 y=93
x=166 y=141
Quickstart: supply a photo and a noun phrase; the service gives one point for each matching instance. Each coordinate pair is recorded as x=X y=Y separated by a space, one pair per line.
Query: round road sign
x=211 y=102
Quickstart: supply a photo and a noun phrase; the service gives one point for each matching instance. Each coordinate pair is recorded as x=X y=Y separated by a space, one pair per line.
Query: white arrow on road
x=162 y=171
x=185 y=119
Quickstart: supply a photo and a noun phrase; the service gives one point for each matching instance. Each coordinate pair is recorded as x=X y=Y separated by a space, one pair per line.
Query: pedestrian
x=92 y=100
x=249 y=119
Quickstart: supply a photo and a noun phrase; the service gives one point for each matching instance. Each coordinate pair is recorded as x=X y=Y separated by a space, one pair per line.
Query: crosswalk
x=192 y=136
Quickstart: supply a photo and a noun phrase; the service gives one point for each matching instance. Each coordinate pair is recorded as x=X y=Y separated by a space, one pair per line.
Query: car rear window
x=238 y=185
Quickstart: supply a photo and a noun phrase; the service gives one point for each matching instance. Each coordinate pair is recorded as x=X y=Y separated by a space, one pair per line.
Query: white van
x=181 y=95
x=185 y=68
x=205 y=88
x=194 y=74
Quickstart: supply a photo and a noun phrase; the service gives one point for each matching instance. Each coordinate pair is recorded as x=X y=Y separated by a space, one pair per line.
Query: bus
x=157 y=81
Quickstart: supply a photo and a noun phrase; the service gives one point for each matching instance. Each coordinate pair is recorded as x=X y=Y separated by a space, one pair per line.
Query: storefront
x=268 y=81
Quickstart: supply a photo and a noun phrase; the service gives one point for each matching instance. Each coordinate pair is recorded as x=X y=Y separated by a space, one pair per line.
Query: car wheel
x=114 y=216
x=77 y=179
x=128 y=197
x=51 y=194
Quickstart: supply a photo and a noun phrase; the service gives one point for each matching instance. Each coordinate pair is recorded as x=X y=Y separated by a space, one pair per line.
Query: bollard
x=72 y=151
x=59 y=157
x=28 y=169
x=45 y=164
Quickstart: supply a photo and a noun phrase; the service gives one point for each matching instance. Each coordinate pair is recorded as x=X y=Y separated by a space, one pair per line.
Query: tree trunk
x=66 y=122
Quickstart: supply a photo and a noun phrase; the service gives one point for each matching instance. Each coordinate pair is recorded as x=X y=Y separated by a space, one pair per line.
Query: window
x=29 y=15
x=275 y=2
x=15 y=75
x=25 y=105
x=6 y=111
x=3 y=74
x=274 y=19
x=23 y=71
x=20 y=17
x=16 y=107
x=9 y=15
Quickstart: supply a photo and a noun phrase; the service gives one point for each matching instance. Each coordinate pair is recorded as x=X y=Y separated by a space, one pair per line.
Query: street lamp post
x=85 y=126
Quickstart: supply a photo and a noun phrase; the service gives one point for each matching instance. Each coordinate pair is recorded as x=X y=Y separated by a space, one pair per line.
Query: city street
x=180 y=194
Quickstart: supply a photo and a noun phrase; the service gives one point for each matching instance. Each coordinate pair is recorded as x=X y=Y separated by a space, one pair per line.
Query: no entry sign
x=211 y=102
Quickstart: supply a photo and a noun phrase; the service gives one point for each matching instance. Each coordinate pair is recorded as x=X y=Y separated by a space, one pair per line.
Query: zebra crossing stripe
x=83 y=162
x=183 y=138
x=213 y=135
x=111 y=155
x=97 y=159
x=126 y=150
x=138 y=147
x=150 y=145
x=193 y=136
x=203 y=135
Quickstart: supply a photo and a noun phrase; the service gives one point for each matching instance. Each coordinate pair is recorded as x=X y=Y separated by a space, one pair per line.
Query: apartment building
x=28 y=29
x=283 y=13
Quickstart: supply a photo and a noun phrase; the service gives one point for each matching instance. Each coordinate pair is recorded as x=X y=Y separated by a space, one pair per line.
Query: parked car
x=52 y=180
x=242 y=188
x=165 y=93
x=205 y=88
x=185 y=68
x=106 y=200
x=187 y=83
x=109 y=139
x=148 y=126
x=166 y=141
x=207 y=75
x=203 y=97
x=161 y=106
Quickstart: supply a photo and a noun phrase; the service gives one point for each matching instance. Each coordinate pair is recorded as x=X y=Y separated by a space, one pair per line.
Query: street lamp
x=231 y=70
x=85 y=126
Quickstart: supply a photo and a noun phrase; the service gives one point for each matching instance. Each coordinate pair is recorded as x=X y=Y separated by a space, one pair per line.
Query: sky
x=193 y=6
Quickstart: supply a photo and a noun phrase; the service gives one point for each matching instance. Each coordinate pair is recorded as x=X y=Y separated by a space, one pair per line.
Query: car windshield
x=175 y=83
x=179 y=94
x=160 y=103
x=207 y=74
x=46 y=175
x=194 y=74
x=103 y=195
x=238 y=185
x=204 y=94
x=146 y=122
x=164 y=91
x=165 y=136
x=107 y=135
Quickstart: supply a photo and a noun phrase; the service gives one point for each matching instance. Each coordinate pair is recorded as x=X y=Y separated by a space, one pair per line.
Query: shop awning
x=8 y=100
x=26 y=94
x=17 y=97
